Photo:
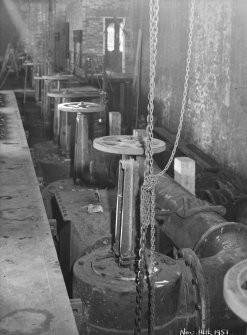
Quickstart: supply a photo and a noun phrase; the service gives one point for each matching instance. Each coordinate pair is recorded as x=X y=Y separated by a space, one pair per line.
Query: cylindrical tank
x=108 y=293
x=67 y=133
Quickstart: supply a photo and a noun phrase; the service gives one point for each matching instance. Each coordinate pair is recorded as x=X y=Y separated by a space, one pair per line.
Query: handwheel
x=126 y=145
x=235 y=289
x=82 y=107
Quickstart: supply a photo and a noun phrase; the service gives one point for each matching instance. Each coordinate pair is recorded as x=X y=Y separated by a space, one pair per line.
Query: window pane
x=121 y=37
x=111 y=37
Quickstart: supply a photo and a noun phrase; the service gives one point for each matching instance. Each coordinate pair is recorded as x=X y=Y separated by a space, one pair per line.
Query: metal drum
x=75 y=126
x=69 y=95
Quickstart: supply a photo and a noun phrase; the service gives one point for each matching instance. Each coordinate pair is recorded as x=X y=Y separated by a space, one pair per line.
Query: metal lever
x=125 y=226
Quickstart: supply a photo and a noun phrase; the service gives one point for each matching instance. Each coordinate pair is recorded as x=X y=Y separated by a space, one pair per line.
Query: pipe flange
x=213 y=233
x=199 y=282
x=126 y=145
x=81 y=107
x=235 y=289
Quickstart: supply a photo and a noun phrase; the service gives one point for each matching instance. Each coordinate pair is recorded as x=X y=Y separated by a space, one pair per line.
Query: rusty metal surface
x=88 y=227
x=79 y=231
x=108 y=293
x=190 y=223
x=200 y=284
x=215 y=268
x=185 y=218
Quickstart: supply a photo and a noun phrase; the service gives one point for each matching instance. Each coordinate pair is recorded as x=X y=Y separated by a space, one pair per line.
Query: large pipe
x=200 y=225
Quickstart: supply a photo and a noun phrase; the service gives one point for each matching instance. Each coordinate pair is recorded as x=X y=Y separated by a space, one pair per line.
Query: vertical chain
x=140 y=281
x=147 y=195
x=150 y=180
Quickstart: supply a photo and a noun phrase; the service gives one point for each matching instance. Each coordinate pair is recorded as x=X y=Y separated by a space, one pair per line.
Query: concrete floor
x=33 y=297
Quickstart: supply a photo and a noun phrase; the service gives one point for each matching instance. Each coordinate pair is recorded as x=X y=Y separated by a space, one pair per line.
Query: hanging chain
x=150 y=180
x=148 y=196
x=185 y=92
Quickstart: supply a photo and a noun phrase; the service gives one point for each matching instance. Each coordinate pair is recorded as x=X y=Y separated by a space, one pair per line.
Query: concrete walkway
x=33 y=297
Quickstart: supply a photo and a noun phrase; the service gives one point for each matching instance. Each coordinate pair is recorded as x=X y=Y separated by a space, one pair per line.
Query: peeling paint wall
x=216 y=114
x=209 y=96
x=33 y=22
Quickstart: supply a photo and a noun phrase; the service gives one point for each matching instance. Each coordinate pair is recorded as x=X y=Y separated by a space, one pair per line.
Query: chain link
x=148 y=195
x=150 y=180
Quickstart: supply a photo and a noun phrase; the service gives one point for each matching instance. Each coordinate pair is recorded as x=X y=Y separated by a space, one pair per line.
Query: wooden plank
x=115 y=123
x=185 y=173
x=33 y=297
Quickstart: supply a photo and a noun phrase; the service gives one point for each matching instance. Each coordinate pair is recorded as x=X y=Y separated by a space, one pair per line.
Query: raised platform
x=33 y=297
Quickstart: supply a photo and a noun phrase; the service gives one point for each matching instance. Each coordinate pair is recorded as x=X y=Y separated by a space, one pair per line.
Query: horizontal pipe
x=187 y=221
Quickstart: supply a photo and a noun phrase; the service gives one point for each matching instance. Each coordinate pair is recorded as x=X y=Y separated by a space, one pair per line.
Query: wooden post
x=184 y=173
x=45 y=107
x=122 y=98
x=114 y=123
x=37 y=84
x=140 y=133
x=25 y=85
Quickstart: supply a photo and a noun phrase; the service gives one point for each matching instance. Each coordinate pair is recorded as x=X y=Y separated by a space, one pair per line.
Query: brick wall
x=88 y=15
x=39 y=19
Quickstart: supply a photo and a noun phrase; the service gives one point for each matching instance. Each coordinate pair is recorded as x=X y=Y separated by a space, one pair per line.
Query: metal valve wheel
x=82 y=107
x=235 y=289
x=126 y=145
